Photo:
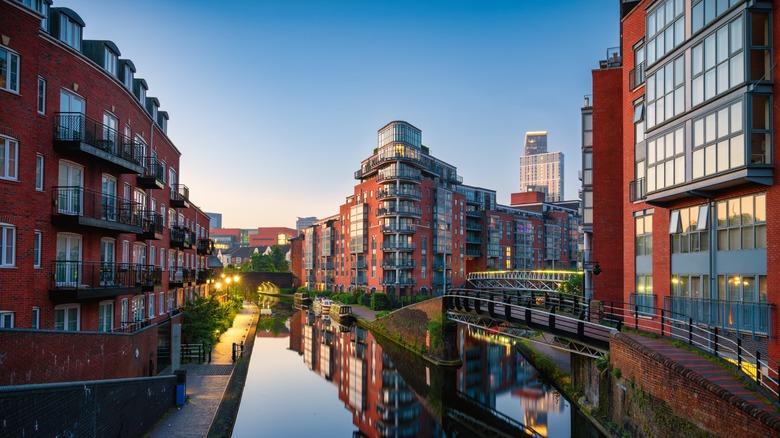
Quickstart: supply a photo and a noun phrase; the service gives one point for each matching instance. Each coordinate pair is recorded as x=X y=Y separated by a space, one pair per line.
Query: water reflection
x=392 y=393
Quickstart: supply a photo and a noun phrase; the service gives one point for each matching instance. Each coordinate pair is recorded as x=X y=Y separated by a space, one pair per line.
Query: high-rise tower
x=541 y=171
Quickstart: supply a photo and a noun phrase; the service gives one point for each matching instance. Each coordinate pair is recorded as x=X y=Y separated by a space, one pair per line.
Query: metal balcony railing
x=388 y=246
x=397 y=264
x=404 y=193
x=636 y=76
x=643 y=303
x=152 y=223
x=398 y=282
x=205 y=246
x=154 y=168
x=78 y=274
x=637 y=190
x=78 y=201
x=79 y=127
x=182 y=236
x=400 y=211
x=398 y=228
x=741 y=316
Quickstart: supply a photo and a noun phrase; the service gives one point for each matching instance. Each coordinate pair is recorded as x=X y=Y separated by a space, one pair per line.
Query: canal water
x=310 y=377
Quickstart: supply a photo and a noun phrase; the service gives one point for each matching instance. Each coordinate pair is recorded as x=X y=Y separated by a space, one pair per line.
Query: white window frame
x=162 y=303
x=110 y=61
x=37 y=243
x=6 y=319
x=151 y=305
x=65 y=308
x=41 y=95
x=39 y=169
x=70 y=32
x=101 y=319
x=7 y=245
x=36 y=318
x=9 y=158
x=9 y=78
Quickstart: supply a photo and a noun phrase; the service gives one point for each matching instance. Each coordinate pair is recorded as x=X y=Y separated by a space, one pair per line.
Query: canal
x=309 y=376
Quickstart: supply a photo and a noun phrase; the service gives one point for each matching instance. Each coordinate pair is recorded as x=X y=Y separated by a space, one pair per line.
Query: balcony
x=74 y=281
x=472 y=226
x=180 y=196
x=405 y=211
x=149 y=277
x=205 y=246
x=83 y=207
x=637 y=190
x=400 y=282
x=397 y=264
x=181 y=237
x=409 y=176
x=360 y=264
x=358 y=281
x=204 y=275
x=636 y=76
x=153 y=176
x=415 y=194
x=388 y=246
x=473 y=252
x=75 y=133
x=181 y=277
x=643 y=304
x=738 y=316
x=398 y=229
x=152 y=226
x=440 y=266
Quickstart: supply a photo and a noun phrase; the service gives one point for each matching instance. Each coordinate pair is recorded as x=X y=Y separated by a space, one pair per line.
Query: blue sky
x=273 y=104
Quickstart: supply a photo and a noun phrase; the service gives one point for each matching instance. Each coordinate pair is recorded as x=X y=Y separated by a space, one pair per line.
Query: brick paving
x=206 y=384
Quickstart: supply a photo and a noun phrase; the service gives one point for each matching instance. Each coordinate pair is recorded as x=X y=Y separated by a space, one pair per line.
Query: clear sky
x=274 y=104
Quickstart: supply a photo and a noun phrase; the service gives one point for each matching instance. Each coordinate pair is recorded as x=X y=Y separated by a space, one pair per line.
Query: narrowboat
x=341 y=313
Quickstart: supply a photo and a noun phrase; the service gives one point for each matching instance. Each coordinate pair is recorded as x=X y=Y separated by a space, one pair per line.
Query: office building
x=541 y=171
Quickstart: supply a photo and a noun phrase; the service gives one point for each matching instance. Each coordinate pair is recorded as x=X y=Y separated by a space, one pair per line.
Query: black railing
x=153 y=223
x=643 y=303
x=402 y=211
x=77 y=274
x=205 y=246
x=155 y=169
x=180 y=193
x=391 y=193
x=387 y=246
x=397 y=228
x=79 y=127
x=397 y=264
x=182 y=275
x=398 y=282
x=637 y=190
x=78 y=201
x=182 y=236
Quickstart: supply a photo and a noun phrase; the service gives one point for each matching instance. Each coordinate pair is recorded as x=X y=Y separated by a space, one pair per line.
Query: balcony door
x=68 y=269
x=110 y=132
x=107 y=252
x=108 y=196
x=70 y=182
x=72 y=109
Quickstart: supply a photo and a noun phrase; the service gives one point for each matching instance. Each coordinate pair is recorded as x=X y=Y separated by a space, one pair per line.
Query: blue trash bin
x=181 y=390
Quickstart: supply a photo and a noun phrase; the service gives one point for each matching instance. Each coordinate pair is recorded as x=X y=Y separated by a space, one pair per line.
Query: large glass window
x=110 y=62
x=37 y=249
x=742 y=223
x=688 y=229
x=9 y=70
x=643 y=229
x=666 y=160
x=718 y=62
x=666 y=92
x=9 y=156
x=39 y=172
x=760 y=47
x=66 y=317
x=704 y=12
x=41 y=95
x=665 y=29
x=106 y=316
x=718 y=141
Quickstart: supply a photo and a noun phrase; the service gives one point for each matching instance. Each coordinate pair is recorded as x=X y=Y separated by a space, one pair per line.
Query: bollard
x=233 y=356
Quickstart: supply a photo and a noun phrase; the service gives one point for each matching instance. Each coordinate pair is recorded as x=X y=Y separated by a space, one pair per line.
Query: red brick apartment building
x=100 y=245
x=686 y=103
x=411 y=227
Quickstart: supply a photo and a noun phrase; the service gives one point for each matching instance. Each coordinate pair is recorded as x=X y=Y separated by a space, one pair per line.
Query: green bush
x=380 y=301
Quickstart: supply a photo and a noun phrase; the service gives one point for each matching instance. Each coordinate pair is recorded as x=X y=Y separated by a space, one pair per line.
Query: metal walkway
x=551 y=320
x=523 y=281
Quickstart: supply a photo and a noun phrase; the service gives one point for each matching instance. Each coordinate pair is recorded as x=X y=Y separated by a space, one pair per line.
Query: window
x=9 y=156
x=37 y=249
x=666 y=160
x=643 y=228
x=718 y=141
x=36 y=318
x=742 y=223
x=761 y=61
x=66 y=317
x=162 y=303
x=743 y=298
x=70 y=32
x=41 y=95
x=124 y=312
x=705 y=12
x=128 y=76
x=665 y=29
x=106 y=316
x=718 y=62
x=666 y=92
x=644 y=300
x=688 y=229
x=6 y=319
x=690 y=286
x=110 y=132
x=7 y=245
x=637 y=75
x=9 y=71
x=138 y=308
x=151 y=306
x=110 y=62
x=39 y=172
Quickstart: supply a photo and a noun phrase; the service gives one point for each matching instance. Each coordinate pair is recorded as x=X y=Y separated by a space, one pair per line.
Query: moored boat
x=342 y=313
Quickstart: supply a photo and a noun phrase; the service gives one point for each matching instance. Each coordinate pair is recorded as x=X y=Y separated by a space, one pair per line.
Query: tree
x=273 y=262
x=573 y=285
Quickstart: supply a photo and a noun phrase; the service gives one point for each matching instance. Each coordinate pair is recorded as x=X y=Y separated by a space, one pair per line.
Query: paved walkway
x=206 y=384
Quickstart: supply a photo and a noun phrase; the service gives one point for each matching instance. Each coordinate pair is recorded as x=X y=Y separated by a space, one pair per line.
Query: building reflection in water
x=383 y=404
